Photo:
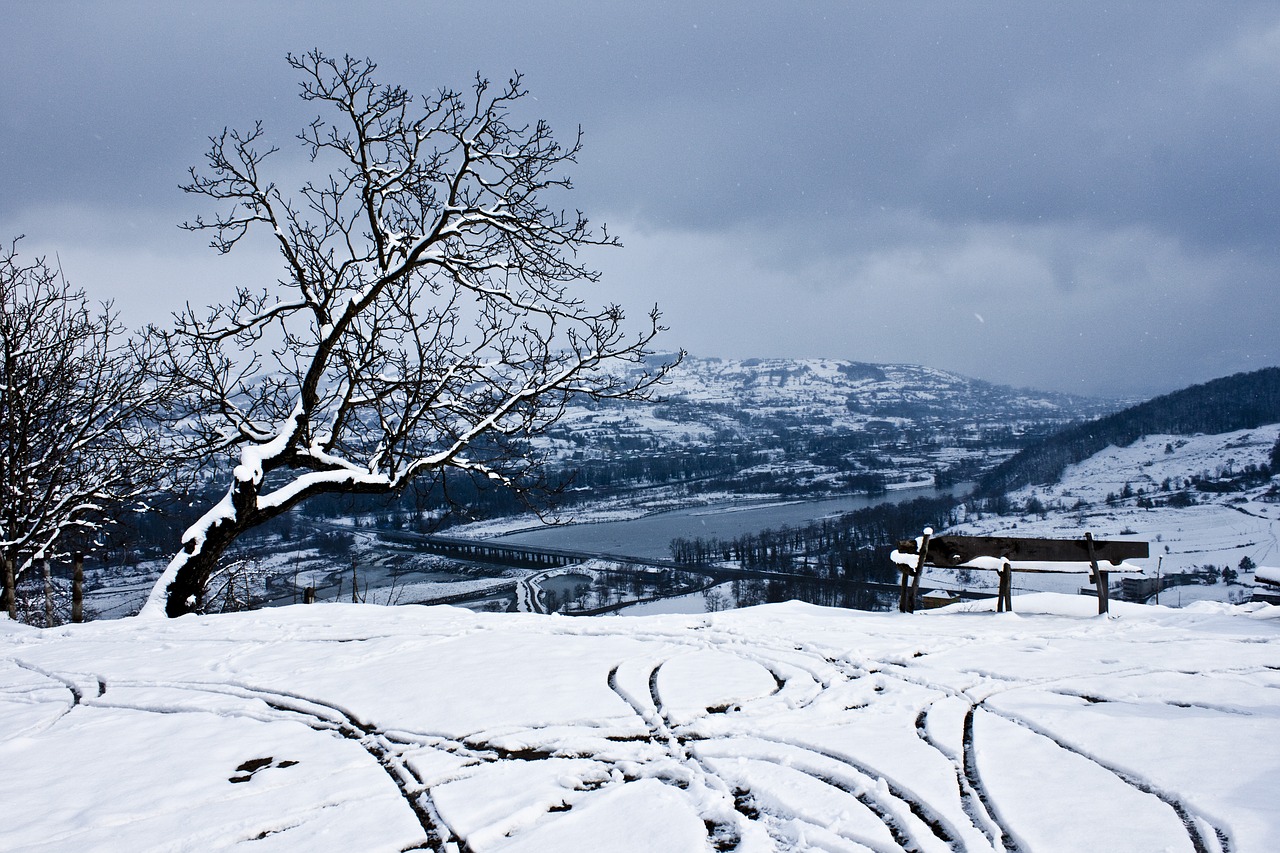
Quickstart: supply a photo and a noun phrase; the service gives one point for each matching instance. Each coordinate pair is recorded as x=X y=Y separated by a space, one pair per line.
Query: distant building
x=938 y=598
x=1138 y=589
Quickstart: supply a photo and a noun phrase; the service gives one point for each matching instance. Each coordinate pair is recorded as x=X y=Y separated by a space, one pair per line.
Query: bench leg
x=1004 y=598
x=1100 y=580
x=902 y=592
x=911 y=595
x=915 y=582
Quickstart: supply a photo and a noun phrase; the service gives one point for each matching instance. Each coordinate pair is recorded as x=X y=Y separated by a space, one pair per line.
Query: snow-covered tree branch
x=81 y=416
x=423 y=321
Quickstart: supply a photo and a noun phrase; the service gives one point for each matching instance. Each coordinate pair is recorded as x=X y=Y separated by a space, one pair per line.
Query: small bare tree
x=80 y=417
x=423 y=322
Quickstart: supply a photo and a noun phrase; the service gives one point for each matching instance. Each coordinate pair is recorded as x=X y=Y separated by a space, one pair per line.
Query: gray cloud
x=1097 y=183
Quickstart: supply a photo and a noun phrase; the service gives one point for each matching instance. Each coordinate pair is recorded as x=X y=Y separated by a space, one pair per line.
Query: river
x=651 y=535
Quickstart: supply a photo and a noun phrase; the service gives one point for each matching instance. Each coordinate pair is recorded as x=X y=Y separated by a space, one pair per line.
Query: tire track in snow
x=77 y=696
x=721 y=835
x=900 y=834
x=1190 y=818
x=974 y=799
x=382 y=747
x=665 y=732
x=939 y=826
x=324 y=717
x=973 y=779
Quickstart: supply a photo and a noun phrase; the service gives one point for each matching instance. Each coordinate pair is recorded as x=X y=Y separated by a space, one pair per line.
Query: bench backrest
x=952 y=551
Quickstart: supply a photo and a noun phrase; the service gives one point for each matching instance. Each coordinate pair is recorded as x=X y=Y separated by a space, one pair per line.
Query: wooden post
x=1100 y=580
x=77 y=587
x=908 y=589
x=309 y=595
x=355 y=586
x=924 y=556
x=1004 y=597
x=11 y=588
x=902 y=591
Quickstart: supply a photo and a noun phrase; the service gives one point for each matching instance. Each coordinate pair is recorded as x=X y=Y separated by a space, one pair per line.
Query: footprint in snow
x=253 y=765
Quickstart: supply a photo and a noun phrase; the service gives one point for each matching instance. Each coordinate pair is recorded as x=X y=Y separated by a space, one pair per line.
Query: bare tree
x=80 y=417
x=423 y=322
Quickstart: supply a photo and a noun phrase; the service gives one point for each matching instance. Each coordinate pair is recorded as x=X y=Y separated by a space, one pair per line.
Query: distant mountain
x=852 y=393
x=807 y=427
x=1241 y=401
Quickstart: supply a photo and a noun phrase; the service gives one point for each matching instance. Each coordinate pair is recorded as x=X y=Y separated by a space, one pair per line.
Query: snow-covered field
x=1220 y=531
x=782 y=727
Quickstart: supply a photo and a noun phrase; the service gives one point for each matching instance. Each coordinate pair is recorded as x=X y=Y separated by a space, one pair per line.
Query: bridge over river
x=520 y=555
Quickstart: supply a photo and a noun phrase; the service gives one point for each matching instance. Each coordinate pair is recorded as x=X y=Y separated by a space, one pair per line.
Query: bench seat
x=995 y=564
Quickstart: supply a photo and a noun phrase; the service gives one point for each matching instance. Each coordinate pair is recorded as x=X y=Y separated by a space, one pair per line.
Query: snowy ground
x=783 y=727
x=1220 y=531
x=1181 y=540
x=1152 y=459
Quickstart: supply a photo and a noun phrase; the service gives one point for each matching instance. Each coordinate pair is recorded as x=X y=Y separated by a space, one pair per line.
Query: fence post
x=77 y=587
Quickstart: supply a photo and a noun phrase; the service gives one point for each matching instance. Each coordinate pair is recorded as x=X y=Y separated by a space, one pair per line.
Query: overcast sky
x=1082 y=198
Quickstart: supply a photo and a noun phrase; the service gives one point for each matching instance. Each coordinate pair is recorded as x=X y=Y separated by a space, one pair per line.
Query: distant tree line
x=668 y=466
x=854 y=546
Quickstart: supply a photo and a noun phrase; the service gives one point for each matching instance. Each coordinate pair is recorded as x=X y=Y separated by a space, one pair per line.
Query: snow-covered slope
x=1157 y=466
x=830 y=385
x=803 y=426
x=850 y=394
x=1141 y=492
x=783 y=727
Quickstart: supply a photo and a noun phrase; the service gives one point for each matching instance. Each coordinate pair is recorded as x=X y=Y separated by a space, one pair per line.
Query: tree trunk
x=209 y=539
x=48 y=593
x=199 y=560
x=77 y=588
x=202 y=552
x=10 y=588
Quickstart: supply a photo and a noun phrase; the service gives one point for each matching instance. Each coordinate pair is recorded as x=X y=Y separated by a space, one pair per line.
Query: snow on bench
x=1008 y=554
x=1269 y=575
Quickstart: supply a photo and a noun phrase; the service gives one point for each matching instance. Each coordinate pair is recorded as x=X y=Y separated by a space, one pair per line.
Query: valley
x=760 y=457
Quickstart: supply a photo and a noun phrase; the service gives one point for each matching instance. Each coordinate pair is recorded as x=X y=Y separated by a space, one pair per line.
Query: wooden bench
x=1007 y=554
x=1266 y=585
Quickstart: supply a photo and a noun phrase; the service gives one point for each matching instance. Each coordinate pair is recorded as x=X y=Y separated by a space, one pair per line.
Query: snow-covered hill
x=782 y=727
x=853 y=392
x=1148 y=491
x=1158 y=466
x=846 y=394
x=809 y=425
